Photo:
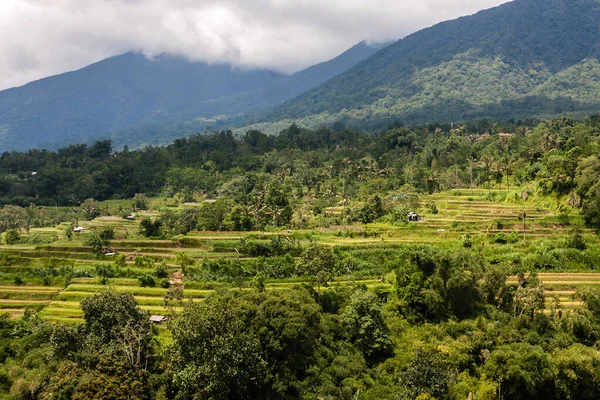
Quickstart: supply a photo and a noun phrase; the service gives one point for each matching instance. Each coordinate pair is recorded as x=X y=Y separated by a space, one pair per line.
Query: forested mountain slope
x=524 y=58
x=131 y=95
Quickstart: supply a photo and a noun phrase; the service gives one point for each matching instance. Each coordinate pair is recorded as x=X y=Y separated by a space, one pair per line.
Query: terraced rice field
x=561 y=288
x=459 y=213
x=15 y=299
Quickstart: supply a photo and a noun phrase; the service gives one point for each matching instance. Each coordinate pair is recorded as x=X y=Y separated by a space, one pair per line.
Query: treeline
x=258 y=179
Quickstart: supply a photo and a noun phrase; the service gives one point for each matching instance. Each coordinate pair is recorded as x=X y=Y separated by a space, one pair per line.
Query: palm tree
x=488 y=162
x=471 y=160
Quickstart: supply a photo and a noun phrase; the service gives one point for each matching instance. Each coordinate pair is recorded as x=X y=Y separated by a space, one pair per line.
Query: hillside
x=524 y=58
x=129 y=96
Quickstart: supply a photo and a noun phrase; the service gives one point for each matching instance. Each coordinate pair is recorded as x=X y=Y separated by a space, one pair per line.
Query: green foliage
x=89 y=209
x=427 y=374
x=432 y=207
x=522 y=370
x=365 y=324
x=466 y=241
x=213 y=356
x=12 y=217
x=147 y=281
x=107 y=233
x=318 y=263
x=96 y=242
x=161 y=271
x=140 y=201
x=372 y=210
x=149 y=228
x=12 y=236
x=107 y=313
x=435 y=284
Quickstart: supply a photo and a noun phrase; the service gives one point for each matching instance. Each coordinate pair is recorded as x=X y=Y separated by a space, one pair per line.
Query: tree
x=488 y=162
x=188 y=219
x=106 y=314
x=149 y=228
x=372 y=210
x=318 y=262
x=428 y=373
x=365 y=324
x=576 y=372
x=278 y=207
x=211 y=216
x=89 y=209
x=96 y=242
x=522 y=371
x=140 y=201
x=529 y=297
x=471 y=160
x=588 y=188
x=288 y=325
x=213 y=356
x=239 y=219
x=183 y=259
x=12 y=217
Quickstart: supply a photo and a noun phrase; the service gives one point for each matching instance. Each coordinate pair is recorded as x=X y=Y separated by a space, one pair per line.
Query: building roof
x=157 y=318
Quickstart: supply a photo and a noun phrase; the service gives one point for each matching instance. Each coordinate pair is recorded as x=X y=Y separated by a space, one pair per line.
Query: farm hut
x=131 y=217
x=157 y=319
x=78 y=229
x=414 y=217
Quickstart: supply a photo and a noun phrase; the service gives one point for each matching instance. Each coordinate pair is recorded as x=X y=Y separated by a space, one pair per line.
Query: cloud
x=45 y=37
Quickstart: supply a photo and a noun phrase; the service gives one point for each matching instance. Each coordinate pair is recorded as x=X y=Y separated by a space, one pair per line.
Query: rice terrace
x=459 y=214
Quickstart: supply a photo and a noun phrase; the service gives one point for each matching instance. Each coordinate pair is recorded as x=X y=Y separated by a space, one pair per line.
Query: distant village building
x=78 y=229
x=157 y=319
x=505 y=135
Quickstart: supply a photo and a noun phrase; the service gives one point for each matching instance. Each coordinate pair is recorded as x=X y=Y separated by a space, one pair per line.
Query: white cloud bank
x=39 y=38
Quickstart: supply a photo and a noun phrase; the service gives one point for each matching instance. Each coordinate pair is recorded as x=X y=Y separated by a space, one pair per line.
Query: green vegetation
x=439 y=262
x=540 y=61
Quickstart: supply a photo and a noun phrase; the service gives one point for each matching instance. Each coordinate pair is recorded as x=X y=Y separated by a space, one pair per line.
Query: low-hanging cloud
x=45 y=37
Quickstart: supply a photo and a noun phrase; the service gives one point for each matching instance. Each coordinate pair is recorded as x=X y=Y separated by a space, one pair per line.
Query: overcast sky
x=39 y=38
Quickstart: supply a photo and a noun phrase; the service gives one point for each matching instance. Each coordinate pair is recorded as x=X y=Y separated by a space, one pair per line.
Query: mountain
x=131 y=95
x=523 y=58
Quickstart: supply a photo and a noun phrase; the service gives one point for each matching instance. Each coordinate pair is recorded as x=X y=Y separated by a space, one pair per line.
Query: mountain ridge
x=130 y=93
x=526 y=42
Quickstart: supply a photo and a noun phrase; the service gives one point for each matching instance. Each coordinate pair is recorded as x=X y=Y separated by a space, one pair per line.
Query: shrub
x=500 y=238
x=563 y=219
x=467 y=241
x=575 y=239
x=432 y=207
x=147 y=281
x=149 y=228
x=12 y=236
x=105 y=271
x=165 y=284
x=161 y=271
x=120 y=261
